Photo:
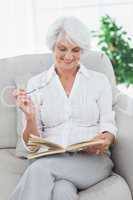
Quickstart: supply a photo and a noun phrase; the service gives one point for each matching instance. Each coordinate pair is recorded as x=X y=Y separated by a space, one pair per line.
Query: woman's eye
x=76 y=50
x=62 y=49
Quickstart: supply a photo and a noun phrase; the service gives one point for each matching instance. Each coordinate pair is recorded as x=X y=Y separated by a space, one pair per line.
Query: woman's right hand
x=24 y=102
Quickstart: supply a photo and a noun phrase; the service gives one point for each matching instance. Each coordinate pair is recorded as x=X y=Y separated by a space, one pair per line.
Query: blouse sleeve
x=36 y=100
x=107 y=115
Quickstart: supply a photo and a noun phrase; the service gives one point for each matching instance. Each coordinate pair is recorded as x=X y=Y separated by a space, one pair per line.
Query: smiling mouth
x=68 y=62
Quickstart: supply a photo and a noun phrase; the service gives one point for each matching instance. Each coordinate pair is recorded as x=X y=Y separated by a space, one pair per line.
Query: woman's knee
x=64 y=190
x=37 y=170
x=103 y=169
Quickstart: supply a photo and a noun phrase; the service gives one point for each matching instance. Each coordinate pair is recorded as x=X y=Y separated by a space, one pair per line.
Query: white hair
x=76 y=30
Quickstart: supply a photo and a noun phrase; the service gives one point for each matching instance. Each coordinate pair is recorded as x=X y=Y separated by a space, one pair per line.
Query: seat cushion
x=11 y=168
x=111 y=188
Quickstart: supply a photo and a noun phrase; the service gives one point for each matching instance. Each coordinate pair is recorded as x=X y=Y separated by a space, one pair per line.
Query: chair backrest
x=36 y=63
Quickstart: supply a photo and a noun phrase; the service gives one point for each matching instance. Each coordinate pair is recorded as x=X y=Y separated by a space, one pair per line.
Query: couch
x=120 y=184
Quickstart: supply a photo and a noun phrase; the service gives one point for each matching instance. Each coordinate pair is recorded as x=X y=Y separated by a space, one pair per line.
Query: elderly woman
x=74 y=103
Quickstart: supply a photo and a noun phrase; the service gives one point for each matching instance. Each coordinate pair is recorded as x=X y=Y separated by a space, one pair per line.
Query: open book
x=48 y=148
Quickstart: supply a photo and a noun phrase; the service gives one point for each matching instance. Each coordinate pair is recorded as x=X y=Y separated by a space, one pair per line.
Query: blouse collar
x=51 y=72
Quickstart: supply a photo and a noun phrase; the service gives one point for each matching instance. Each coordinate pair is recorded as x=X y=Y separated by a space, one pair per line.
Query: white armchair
x=120 y=184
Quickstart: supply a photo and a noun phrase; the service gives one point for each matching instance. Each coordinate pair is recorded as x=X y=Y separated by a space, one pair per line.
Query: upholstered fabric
x=122 y=152
x=11 y=168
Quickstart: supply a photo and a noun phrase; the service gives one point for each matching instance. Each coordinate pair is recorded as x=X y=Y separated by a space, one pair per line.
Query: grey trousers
x=59 y=177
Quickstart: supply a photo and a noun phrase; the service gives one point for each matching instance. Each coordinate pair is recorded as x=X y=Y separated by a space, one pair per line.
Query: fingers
x=100 y=136
x=98 y=150
x=18 y=92
x=25 y=103
x=24 y=100
x=107 y=137
x=21 y=96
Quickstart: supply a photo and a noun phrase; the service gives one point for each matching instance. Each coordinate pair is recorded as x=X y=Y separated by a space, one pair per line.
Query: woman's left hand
x=108 y=139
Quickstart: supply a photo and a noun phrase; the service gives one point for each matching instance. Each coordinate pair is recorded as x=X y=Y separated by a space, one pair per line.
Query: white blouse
x=86 y=112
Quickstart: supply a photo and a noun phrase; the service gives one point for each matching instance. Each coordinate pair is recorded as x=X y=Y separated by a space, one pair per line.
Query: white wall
x=24 y=23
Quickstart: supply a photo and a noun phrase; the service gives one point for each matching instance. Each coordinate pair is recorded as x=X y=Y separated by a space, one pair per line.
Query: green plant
x=118 y=46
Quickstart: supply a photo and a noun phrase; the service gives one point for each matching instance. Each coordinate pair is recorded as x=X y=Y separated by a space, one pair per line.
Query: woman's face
x=67 y=53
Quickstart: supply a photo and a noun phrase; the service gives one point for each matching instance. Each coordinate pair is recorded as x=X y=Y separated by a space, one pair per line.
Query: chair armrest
x=122 y=151
x=124 y=103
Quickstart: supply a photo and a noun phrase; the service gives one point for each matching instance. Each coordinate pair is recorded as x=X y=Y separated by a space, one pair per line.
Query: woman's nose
x=68 y=55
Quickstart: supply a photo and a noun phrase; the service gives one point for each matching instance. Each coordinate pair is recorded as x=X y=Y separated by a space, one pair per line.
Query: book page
x=49 y=143
x=46 y=142
x=81 y=134
x=45 y=153
x=84 y=144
